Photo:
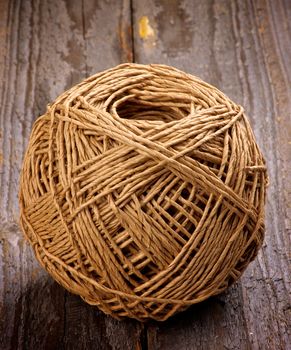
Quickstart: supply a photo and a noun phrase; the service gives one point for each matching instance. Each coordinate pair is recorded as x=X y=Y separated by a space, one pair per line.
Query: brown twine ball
x=143 y=191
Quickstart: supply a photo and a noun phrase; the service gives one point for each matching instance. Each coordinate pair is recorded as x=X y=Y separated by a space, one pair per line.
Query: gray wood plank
x=243 y=48
x=47 y=46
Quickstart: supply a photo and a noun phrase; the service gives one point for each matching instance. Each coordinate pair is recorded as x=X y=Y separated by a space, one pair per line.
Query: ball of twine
x=143 y=190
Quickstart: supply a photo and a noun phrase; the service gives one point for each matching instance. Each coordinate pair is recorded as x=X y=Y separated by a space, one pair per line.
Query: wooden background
x=243 y=48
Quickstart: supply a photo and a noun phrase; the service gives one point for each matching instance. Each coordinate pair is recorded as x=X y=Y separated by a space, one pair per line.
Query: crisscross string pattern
x=143 y=191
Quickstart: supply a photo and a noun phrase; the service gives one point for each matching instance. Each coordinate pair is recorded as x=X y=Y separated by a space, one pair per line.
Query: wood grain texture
x=47 y=46
x=243 y=48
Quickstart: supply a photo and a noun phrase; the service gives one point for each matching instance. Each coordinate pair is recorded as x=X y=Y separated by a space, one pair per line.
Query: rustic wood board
x=242 y=47
x=47 y=46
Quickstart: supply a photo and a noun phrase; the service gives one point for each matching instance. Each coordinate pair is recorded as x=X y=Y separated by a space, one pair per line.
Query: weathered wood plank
x=267 y=285
x=46 y=46
x=243 y=48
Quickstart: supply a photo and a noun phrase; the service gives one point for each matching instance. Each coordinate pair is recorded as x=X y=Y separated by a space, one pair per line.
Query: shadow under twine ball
x=143 y=191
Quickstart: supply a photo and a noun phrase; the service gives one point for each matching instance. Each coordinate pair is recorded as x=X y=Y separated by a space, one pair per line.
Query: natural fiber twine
x=143 y=191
